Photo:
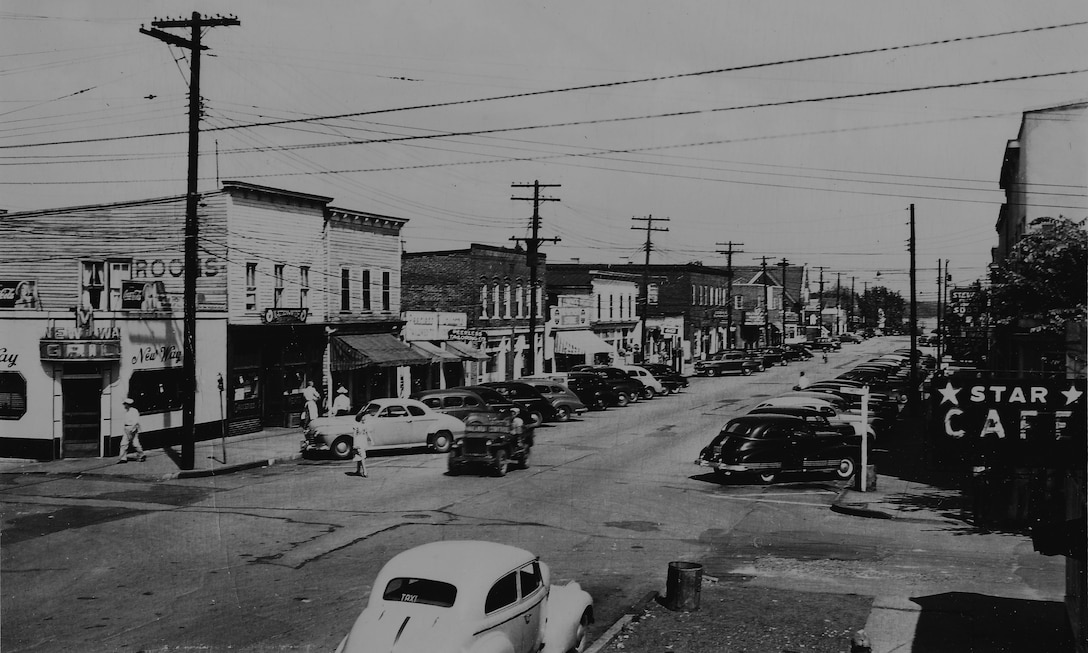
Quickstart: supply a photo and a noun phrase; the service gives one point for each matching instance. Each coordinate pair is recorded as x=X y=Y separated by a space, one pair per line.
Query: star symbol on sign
x=948 y=393
x=1071 y=395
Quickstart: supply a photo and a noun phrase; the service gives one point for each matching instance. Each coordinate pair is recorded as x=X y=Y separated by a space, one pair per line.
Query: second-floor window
x=345 y=289
x=366 y=290
x=386 y=290
x=277 y=286
x=738 y=301
x=102 y=283
x=304 y=286
x=251 y=286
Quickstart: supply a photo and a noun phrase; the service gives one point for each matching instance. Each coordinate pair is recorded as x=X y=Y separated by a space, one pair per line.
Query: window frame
x=251 y=286
x=277 y=285
x=345 y=290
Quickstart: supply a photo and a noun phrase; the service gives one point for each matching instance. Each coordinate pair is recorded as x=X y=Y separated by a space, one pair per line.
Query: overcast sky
x=721 y=129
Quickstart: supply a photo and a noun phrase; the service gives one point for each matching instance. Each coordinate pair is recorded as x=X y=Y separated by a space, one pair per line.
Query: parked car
x=492 y=442
x=825 y=344
x=814 y=417
x=386 y=424
x=564 y=400
x=535 y=407
x=470 y=597
x=849 y=337
x=651 y=387
x=724 y=362
x=463 y=401
x=798 y=352
x=593 y=392
x=627 y=388
x=769 y=445
x=771 y=356
x=667 y=375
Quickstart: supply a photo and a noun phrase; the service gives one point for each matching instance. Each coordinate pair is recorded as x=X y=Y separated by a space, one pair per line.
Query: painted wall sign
x=1037 y=421
x=84 y=350
x=18 y=293
x=431 y=325
x=284 y=315
x=75 y=333
x=8 y=358
x=143 y=268
x=467 y=335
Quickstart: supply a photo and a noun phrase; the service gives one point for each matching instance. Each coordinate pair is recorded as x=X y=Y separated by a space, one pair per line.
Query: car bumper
x=739 y=468
x=313 y=445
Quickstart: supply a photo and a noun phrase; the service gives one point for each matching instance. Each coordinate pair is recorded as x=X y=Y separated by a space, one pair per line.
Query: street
x=282 y=557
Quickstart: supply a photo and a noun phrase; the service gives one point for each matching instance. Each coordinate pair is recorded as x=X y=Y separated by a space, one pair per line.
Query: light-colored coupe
x=387 y=424
x=469 y=596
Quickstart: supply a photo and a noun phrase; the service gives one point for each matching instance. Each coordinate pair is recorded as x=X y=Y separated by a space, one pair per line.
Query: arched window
x=496 y=292
x=519 y=299
x=485 y=296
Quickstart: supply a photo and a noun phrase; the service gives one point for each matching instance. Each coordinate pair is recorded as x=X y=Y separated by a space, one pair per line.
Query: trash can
x=683 y=586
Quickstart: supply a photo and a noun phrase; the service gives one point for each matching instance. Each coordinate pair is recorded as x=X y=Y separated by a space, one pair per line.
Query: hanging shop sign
x=467 y=335
x=1022 y=420
x=284 y=315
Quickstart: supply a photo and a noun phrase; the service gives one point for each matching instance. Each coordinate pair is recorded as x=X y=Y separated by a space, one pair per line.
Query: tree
x=879 y=302
x=1042 y=284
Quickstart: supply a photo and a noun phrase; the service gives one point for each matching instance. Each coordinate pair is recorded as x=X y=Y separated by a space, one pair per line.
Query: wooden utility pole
x=766 y=307
x=838 y=301
x=784 y=264
x=645 y=292
x=192 y=230
x=915 y=396
x=532 y=257
x=820 y=309
x=729 y=291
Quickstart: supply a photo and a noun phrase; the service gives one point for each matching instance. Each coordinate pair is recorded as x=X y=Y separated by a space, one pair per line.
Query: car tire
x=767 y=477
x=648 y=393
x=341 y=448
x=562 y=414
x=535 y=419
x=502 y=462
x=442 y=441
x=581 y=635
x=622 y=399
x=712 y=372
x=845 y=468
x=747 y=371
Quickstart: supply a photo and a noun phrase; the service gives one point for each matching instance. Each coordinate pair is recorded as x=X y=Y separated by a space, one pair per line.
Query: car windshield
x=370 y=409
x=420 y=590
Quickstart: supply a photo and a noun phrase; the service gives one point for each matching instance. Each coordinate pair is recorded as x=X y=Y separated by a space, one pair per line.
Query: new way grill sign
x=1022 y=420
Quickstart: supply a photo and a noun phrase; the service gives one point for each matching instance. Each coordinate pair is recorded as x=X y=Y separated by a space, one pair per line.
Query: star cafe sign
x=1038 y=418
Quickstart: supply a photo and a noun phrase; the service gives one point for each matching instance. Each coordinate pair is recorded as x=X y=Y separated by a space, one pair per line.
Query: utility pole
x=784 y=264
x=850 y=326
x=838 y=301
x=192 y=230
x=940 y=297
x=645 y=293
x=729 y=291
x=766 y=307
x=820 y=313
x=914 y=394
x=532 y=249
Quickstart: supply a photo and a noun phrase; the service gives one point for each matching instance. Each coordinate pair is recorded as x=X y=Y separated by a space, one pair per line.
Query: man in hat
x=342 y=404
x=132 y=432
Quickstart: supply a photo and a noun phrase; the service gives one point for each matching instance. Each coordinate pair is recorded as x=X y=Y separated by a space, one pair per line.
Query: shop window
x=366 y=290
x=277 y=286
x=251 y=286
x=387 y=286
x=12 y=395
x=156 y=391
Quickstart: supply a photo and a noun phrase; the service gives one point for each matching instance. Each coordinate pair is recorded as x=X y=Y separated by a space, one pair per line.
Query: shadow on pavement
x=960 y=622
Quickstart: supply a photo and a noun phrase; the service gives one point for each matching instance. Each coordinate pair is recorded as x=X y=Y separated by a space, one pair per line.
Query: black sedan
x=769 y=445
x=593 y=392
x=535 y=407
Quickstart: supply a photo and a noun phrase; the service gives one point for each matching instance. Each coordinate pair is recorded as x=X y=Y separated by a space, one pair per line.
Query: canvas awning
x=466 y=351
x=436 y=354
x=580 y=342
x=352 y=351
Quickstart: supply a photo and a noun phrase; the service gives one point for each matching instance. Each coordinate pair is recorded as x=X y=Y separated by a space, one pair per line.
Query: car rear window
x=737 y=428
x=420 y=590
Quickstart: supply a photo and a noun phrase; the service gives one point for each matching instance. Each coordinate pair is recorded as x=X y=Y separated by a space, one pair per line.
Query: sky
x=793 y=129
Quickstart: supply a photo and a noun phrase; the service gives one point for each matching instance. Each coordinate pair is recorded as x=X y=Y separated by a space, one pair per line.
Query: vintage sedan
x=386 y=424
x=470 y=597
x=768 y=445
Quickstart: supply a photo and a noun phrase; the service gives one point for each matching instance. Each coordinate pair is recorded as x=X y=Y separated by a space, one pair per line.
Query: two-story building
x=96 y=306
x=591 y=315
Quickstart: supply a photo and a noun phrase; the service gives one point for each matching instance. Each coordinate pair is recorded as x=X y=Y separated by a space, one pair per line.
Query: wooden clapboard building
x=91 y=302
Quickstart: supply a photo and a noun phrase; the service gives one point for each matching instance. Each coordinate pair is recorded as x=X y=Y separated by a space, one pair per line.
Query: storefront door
x=82 y=418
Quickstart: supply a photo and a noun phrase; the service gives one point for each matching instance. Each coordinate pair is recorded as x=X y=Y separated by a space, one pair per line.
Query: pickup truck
x=725 y=362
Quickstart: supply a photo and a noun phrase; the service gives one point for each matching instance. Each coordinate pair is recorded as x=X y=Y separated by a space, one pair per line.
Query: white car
x=386 y=424
x=651 y=386
x=470 y=596
x=825 y=408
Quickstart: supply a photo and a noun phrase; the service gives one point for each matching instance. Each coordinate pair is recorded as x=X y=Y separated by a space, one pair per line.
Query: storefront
x=372 y=365
x=577 y=347
x=62 y=384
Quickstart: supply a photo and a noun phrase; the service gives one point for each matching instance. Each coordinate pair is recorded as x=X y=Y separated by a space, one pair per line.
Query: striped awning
x=466 y=351
x=580 y=342
x=436 y=354
x=353 y=351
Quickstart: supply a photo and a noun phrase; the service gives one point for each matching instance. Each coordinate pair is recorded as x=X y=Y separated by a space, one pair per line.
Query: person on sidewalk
x=342 y=404
x=132 y=433
x=803 y=381
x=359 y=452
x=312 y=396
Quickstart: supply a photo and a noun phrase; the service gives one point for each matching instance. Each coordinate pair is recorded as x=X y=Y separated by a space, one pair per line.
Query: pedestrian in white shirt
x=131 y=435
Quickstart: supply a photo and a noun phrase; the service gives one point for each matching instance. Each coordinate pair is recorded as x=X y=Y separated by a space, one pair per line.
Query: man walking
x=132 y=433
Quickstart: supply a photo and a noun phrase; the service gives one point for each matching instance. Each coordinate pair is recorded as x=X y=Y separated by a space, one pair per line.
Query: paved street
x=282 y=557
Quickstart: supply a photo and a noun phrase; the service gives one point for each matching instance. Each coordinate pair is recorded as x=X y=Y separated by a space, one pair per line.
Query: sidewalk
x=211 y=458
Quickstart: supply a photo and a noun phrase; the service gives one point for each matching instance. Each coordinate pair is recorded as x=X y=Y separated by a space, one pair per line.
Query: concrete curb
x=229 y=469
x=626 y=618
x=857 y=509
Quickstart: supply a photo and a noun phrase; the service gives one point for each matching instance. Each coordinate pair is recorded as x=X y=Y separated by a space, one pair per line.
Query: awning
x=466 y=351
x=580 y=342
x=436 y=354
x=350 y=352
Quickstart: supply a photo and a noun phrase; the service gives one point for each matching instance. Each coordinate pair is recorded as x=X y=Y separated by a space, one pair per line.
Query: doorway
x=82 y=424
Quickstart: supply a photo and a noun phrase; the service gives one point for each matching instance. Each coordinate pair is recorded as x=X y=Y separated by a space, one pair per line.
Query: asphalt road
x=282 y=558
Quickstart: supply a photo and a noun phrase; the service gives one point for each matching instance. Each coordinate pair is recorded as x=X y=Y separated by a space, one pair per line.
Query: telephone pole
x=766 y=307
x=192 y=201
x=915 y=396
x=784 y=264
x=820 y=310
x=729 y=292
x=838 y=301
x=645 y=292
x=532 y=251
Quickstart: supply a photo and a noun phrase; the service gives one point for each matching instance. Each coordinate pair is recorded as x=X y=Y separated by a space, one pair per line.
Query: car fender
x=566 y=604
